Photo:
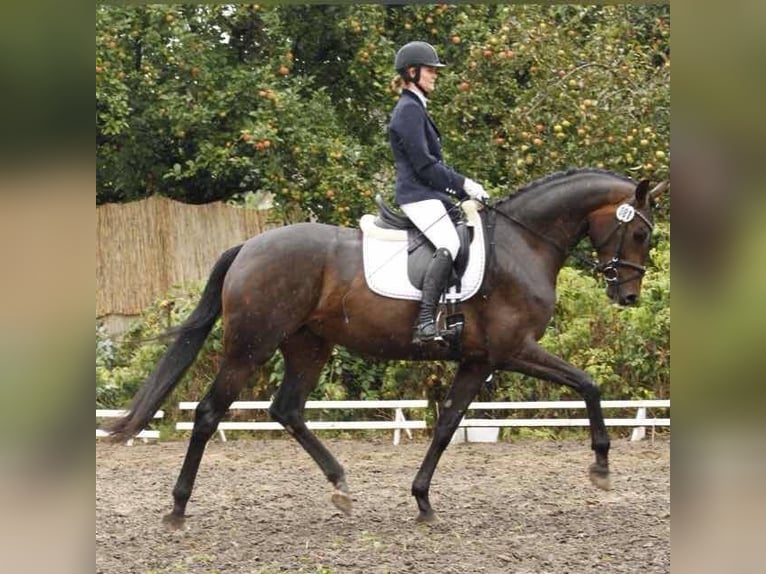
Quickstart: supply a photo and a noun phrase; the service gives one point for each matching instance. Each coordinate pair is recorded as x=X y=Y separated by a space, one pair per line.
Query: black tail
x=189 y=338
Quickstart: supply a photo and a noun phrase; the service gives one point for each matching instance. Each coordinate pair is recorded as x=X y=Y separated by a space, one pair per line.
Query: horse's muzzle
x=626 y=299
x=630 y=299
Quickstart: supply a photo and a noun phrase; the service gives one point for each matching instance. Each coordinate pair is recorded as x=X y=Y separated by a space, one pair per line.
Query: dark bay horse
x=301 y=290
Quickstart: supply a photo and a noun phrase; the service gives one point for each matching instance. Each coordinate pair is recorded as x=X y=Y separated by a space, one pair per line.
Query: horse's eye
x=640 y=235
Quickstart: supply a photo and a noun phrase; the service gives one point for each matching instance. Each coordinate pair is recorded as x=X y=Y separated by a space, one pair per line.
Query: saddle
x=420 y=250
x=395 y=254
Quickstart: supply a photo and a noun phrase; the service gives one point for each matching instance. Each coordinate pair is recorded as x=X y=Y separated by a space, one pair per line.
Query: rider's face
x=428 y=78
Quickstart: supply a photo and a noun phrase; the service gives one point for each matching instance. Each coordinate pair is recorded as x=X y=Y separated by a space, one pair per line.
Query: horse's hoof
x=599 y=477
x=342 y=501
x=428 y=517
x=173 y=521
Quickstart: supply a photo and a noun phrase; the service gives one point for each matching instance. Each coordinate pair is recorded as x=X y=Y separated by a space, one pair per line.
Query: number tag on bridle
x=625 y=213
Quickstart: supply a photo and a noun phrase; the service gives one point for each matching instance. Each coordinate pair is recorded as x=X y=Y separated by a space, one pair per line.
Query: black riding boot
x=435 y=281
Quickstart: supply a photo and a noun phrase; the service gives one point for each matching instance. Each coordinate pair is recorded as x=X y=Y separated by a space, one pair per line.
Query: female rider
x=424 y=184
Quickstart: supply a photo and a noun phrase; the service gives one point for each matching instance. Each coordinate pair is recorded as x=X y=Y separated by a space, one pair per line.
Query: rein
x=608 y=269
x=523 y=225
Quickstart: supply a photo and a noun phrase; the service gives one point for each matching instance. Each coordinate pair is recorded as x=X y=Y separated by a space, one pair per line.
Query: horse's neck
x=561 y=211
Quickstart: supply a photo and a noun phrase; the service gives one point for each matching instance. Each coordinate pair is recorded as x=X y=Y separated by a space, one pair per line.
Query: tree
x=205 y=102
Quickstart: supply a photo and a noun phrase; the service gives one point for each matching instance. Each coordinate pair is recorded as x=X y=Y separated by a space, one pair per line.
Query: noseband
x=625 y=213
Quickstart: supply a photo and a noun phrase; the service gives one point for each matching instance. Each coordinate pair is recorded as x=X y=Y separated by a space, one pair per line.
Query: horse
x=300 y=289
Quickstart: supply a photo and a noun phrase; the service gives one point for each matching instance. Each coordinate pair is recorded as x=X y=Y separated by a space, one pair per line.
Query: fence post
x=399 y=417
x=639 y=433
x=460 y=435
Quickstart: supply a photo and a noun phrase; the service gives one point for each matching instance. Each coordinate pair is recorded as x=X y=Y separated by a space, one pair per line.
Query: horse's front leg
x=466 y=385
x=534 y=361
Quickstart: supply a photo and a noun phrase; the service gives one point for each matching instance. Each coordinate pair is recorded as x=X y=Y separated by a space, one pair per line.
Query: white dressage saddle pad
x=385 y=259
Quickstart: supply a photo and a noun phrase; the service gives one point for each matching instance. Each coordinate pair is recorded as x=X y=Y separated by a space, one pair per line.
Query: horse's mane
x=545 y=180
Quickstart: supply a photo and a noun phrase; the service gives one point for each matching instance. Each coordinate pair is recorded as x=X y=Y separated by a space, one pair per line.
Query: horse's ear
x=659 y=189
x=641 y=191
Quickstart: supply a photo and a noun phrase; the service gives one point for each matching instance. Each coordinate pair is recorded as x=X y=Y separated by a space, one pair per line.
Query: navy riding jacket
x=420 y=170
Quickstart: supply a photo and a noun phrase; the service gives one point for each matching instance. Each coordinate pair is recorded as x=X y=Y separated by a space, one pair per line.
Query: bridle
x=625 y=213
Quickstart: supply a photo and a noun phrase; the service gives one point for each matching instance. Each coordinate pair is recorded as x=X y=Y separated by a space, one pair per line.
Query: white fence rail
x=639 y=423
x=398 y=422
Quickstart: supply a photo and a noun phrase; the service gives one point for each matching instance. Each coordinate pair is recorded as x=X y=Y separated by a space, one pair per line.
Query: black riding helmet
x=416 y=54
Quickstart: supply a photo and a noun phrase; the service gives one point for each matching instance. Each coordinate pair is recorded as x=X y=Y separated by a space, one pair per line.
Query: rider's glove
x=475 y=190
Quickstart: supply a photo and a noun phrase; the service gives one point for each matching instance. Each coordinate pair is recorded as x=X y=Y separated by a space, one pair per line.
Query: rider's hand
x=475 y=190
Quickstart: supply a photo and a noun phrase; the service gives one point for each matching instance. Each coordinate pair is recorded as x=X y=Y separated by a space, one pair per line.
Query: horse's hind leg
x=211 y=409
x=305 y=355
x=465 y=386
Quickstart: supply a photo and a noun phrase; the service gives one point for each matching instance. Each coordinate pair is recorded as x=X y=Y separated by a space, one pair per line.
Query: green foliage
x=207 y=102
x=122 y=366
x=545 y=88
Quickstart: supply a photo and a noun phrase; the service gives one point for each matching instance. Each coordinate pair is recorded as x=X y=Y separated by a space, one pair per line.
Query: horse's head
x=621 y=235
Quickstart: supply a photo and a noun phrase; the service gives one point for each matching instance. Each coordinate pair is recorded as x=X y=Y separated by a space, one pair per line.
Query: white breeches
x=431 y=217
